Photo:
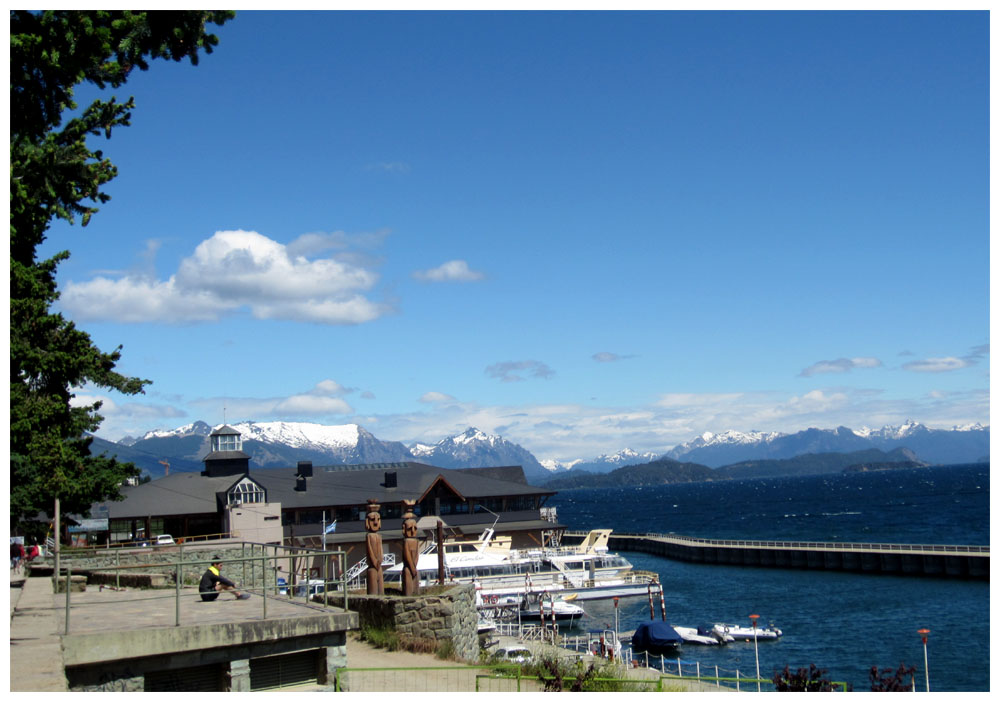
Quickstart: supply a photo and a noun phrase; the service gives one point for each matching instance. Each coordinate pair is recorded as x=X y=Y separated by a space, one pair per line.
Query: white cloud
x=311 y=405
x=937 y=365
x=676 y=400
x=450 y=271
x=511 y=371
x=436 y=398
x=840 y=365
x=329 y=387
x=608 y=357
x=567 y=432
x=234 y=269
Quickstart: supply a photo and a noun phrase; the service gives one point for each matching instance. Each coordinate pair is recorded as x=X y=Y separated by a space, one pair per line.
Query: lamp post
x=616 y=617
x=927 y=676
x=756 y=656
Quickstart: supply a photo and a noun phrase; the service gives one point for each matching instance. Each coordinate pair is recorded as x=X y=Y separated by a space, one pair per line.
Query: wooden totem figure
x=373 y=522
x=411 y=550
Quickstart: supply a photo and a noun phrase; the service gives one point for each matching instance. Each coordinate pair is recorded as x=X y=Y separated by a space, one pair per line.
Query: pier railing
x=811 y=545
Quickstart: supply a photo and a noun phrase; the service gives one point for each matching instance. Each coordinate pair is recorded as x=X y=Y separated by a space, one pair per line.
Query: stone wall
x=448 y=616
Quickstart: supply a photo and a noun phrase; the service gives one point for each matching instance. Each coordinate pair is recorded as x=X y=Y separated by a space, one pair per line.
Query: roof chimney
x=390 y=478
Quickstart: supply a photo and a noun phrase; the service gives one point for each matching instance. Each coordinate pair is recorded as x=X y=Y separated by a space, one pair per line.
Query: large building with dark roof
x=294 y=506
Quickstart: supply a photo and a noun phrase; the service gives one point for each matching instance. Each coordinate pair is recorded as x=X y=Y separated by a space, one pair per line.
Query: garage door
x=202 y=678
x=285 y=670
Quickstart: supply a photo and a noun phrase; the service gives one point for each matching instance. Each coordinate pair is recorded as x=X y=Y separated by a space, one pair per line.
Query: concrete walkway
x=36 y=660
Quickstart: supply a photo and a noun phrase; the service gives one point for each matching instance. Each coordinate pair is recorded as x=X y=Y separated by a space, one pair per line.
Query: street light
x=923 y=637
x=753 y=620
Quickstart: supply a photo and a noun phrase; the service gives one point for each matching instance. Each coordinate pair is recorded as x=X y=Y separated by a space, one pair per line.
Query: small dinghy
x=701 y=635
x=734 y=632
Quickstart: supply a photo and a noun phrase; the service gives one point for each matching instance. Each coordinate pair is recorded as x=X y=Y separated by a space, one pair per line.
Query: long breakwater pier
x=969 y=562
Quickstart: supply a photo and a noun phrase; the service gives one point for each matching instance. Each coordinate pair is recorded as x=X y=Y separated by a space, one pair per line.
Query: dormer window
x=227 y=442
x=246 y=491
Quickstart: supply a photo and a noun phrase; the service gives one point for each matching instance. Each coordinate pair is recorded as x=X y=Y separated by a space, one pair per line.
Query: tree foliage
x=887 y=680
x=54 y=174
x=802 y=680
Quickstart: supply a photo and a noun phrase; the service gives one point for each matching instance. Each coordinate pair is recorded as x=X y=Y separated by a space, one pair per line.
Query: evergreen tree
x=55 y=174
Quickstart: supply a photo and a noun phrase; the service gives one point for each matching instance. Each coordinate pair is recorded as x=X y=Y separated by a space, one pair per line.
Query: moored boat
x=656 y=638
x=528 y=608
x=587 y=571
x=735 y=632
x=699 y=635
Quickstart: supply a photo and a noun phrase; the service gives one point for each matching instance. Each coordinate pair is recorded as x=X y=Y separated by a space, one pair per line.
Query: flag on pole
x=332 y=527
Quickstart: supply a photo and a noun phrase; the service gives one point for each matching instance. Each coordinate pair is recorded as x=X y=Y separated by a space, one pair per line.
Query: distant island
x=665 y=471
x=872 y=467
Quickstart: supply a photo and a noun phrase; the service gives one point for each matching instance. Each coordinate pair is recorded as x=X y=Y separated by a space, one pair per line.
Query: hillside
x=665 y=471
x=817 y=463
x=662 y=471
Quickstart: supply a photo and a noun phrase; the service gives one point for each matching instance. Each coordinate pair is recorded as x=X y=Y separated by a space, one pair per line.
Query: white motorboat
x=735 y=632
x=587 y=571
x=530 y=607
x=697 y=635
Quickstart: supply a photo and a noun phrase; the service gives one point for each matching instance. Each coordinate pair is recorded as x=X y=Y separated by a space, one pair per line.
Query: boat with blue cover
x=656 y=638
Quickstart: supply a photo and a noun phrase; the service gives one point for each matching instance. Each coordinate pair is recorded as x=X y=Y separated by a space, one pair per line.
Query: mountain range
x=663 y=471
x=966 y=444
x=275 y=444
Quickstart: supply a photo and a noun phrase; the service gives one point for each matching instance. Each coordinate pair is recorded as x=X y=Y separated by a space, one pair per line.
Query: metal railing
x=143 y=543
x=267 y=560
x=812 y=545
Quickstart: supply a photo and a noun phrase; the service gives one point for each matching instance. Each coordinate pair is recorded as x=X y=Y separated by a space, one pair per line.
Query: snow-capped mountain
x=279 y=443
x=958 y=445
x=605 y=463
x=272 y=444
x=476 y=449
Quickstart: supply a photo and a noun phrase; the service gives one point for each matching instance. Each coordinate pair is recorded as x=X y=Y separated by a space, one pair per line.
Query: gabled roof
x=225 y=430
x=354 y=485
x=330 y=486
x=177 y=493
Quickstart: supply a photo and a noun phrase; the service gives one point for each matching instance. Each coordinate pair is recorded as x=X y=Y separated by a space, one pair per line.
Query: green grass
x=381 y=637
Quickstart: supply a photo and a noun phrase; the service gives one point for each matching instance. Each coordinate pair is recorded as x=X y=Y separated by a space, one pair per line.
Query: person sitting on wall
x=212 y=583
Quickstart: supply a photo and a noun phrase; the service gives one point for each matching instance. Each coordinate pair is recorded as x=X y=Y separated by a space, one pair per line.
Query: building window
x=227 y=442
x=454 y=506
x=246 y=491
x=392 y=511
x=518 y=504
x=493 y=504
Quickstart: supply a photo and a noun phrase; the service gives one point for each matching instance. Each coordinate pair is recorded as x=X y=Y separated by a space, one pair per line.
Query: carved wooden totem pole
x=411 y=550
x=373 y=522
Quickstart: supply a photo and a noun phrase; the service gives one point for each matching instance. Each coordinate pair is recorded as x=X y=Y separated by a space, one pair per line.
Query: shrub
x=380 y=637
x=446 y=650
x=558 y=676
x=886 y=681
x=802 y=680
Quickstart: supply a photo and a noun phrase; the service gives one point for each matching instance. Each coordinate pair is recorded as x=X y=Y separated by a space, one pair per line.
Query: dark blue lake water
x=843 y=622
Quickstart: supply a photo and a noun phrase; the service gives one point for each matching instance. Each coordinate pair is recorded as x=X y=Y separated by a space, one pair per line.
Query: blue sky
x=583 y=231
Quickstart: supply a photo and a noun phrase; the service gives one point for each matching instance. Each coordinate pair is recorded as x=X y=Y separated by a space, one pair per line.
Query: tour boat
x=587 y=571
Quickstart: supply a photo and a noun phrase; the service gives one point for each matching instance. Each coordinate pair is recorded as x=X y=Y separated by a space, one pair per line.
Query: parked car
x=164 y=540
x=513 y=654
